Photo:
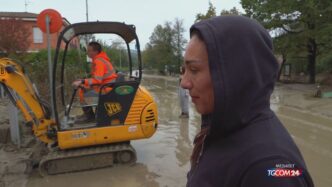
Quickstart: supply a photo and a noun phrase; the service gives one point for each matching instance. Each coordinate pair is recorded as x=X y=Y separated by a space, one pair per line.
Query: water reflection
x=137 y=175
x=183 y=143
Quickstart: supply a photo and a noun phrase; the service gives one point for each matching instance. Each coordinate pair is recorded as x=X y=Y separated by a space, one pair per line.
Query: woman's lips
x=194 y=98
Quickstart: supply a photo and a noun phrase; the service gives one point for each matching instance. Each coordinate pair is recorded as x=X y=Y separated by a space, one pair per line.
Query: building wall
x=31 y=23
x=38 y=46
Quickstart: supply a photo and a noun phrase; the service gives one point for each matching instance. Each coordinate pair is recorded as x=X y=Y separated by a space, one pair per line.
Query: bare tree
x=179 y=40
x=14 y=36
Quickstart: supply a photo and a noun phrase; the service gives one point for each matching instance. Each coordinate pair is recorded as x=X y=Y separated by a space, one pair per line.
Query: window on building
x=37 y=35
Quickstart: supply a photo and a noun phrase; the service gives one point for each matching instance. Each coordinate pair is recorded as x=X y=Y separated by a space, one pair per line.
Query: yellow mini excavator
x=125 y=112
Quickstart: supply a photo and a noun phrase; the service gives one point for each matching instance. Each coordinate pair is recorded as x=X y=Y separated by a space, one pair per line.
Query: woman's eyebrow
x=191 y=61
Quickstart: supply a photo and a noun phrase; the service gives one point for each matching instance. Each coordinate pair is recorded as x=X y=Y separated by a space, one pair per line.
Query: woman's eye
x=194 y=70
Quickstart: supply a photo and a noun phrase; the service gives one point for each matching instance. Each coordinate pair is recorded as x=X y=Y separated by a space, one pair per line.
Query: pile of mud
x=15 y=163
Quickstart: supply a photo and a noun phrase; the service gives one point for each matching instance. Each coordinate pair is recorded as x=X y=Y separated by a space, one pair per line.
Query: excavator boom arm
x=25 y=98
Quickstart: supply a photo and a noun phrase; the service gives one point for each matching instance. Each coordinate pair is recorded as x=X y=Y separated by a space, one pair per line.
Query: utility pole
x=26 y=5
x=87 y=37
x=87 y=10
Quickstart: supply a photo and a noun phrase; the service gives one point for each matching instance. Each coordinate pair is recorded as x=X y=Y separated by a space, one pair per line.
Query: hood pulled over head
x=243 y=70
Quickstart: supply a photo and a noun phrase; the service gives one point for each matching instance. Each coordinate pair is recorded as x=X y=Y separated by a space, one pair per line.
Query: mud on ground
x=15 y=163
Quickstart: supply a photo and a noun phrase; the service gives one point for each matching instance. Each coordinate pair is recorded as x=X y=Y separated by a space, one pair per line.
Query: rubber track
x=81 y=159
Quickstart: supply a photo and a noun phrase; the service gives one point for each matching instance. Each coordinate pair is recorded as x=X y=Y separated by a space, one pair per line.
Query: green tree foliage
x=117 y=52
x=179 y=41
x=165 y=48
x=119 y=55
x=233 y=11
x=167 y=42
x=300 y=28
x=36 y=67
x=211 y=12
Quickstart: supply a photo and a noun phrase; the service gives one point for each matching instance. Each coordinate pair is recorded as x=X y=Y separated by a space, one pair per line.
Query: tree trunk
x=312 y=54
x=281 y=66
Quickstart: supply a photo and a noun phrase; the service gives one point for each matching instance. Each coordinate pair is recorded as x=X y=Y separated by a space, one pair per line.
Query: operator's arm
x=97 y=75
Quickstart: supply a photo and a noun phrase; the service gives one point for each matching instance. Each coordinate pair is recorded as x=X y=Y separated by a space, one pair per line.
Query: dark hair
x=205 y=129
x=197 y=33
x=95 y=46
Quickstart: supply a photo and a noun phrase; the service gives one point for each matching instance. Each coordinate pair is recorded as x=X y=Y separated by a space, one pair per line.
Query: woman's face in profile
x=197 y=77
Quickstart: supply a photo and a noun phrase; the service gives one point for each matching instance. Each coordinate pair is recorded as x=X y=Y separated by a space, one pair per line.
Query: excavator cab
x=125 y=104
x=111 y=107
x=125 y=110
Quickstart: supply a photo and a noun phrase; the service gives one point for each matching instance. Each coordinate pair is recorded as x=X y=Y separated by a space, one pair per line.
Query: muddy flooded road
x=309 y=122
x=163 y=160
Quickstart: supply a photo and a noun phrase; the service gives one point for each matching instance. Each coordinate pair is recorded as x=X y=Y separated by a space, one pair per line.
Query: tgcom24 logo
x=285 y=170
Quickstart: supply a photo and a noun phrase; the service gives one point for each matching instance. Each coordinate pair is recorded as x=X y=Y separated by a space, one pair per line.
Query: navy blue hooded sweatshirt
x=245 y=138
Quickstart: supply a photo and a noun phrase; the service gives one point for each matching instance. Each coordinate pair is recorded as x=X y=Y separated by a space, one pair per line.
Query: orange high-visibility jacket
x=102 y=71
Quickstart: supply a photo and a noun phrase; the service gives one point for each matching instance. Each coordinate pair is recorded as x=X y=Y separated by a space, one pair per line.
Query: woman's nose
x=185 y=82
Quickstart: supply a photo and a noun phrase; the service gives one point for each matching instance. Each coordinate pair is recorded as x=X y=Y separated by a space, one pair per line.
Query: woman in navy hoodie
x=230 y=72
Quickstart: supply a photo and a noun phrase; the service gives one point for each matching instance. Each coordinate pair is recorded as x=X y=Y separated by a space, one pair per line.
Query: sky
x=145 y=15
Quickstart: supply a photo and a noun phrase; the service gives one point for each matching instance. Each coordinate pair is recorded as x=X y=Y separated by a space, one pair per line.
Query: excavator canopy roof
x=127 y=32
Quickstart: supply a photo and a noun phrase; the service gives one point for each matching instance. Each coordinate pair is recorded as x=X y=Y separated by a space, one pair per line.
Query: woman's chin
x=203 y=110
x=200 y=110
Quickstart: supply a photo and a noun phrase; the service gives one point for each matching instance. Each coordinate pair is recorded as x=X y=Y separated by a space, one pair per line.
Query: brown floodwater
x=163 y=160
